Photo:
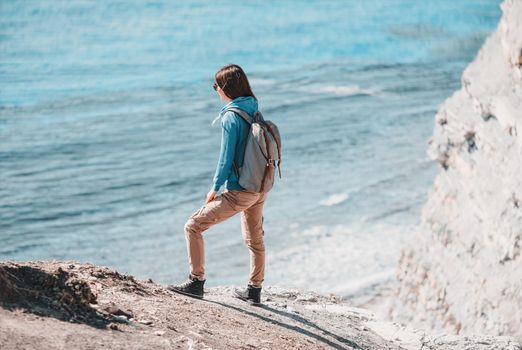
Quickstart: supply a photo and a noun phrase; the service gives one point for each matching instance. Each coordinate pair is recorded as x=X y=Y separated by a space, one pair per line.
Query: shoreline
x=379 y=301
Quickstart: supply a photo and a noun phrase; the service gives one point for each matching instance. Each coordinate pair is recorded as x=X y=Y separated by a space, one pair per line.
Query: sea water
x=106 y=143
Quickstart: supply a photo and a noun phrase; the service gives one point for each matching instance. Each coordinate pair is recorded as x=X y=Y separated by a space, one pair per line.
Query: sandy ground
x=68 y=305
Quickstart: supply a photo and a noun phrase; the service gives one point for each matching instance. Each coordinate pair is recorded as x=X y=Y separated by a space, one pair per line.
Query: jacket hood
x=245 y=103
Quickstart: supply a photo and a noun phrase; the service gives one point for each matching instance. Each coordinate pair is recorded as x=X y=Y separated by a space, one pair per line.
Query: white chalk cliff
x=462 y=273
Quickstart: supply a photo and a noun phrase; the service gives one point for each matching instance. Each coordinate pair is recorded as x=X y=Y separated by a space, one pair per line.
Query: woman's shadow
x=345 y=343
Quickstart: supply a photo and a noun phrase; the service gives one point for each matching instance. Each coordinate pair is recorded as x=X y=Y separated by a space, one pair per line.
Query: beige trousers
x=224 y=206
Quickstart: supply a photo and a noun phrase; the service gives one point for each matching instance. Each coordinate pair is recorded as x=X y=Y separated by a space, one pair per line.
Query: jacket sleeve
x=229 y=139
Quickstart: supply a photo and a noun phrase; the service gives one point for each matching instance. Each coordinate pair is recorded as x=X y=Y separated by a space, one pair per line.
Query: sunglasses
x=216 y=86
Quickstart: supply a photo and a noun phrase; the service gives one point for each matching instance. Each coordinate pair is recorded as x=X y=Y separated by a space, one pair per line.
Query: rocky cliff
x=463 y=272
x=68 y=305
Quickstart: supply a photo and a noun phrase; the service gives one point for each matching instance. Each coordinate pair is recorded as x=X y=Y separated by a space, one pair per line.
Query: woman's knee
x=191 y=228
x=256 y=243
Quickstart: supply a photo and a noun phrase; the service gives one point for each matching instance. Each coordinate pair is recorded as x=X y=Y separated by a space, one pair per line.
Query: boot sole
x=186 y=293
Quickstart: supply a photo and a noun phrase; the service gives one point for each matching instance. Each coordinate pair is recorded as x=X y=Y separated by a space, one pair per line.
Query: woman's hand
x=210 y=196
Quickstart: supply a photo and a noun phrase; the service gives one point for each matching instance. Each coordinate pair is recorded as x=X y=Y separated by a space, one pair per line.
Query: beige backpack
x=262 y=153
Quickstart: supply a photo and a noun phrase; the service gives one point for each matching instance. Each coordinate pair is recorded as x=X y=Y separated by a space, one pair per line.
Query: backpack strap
x=248 y=119
x=235 y=168
x=241 y=113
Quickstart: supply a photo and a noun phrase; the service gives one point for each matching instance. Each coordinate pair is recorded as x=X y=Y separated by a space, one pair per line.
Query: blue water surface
x=106 y=145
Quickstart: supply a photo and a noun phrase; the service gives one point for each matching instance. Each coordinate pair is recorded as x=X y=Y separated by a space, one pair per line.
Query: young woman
x=232 y=85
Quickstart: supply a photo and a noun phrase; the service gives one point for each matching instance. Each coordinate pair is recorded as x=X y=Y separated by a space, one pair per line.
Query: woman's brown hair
x=233 y=81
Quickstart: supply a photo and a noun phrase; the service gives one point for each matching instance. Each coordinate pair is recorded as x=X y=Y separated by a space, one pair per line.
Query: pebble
x=306 y=298
x=145 y=322
x=121 y=319
x=115 y=310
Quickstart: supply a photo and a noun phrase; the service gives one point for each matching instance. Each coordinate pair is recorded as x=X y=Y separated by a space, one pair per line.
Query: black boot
x=251 y=294
x=193 y=287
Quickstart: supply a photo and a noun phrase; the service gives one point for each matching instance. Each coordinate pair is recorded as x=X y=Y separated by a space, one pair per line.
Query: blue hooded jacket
x=233 y=142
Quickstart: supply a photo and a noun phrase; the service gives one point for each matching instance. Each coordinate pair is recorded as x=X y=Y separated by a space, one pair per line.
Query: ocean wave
x=360 y=254
x=334 y=199
x=261 y=82
x=339 y=90
x=364 y=284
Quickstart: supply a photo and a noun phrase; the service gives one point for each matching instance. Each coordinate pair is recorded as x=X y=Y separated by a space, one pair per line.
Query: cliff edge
x=69 y=305
x=463 y=272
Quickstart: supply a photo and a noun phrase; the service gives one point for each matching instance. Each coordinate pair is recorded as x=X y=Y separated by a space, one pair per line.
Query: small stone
x=145 y=322
x=113 y=326
x=121 y=319
x=115 y=310
x=310 y=298
x=159 y=333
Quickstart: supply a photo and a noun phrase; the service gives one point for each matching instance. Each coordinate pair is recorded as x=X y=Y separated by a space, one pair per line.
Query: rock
x=120 y=319
x=145 y=322
x=57 y=293
x=462 y=273
x=309 y=298
x=115 y=310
